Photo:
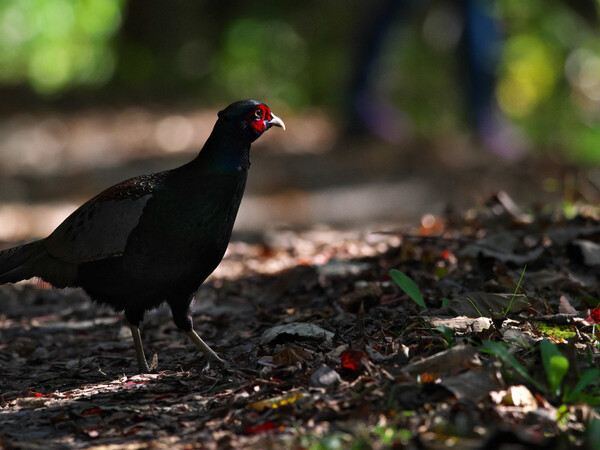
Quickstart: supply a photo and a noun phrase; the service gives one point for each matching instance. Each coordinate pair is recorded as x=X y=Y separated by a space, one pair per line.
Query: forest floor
x=326 y=350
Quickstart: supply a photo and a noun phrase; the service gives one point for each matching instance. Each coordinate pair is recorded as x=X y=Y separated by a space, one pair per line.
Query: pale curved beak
x=276 y=122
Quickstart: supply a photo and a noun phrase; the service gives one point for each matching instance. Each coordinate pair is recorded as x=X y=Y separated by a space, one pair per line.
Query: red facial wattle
x=259 y=118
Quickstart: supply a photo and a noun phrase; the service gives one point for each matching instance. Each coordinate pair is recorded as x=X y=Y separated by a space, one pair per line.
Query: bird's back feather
x=99 y=229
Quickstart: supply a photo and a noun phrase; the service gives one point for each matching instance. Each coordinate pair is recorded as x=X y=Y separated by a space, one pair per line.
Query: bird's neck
x=225 y=151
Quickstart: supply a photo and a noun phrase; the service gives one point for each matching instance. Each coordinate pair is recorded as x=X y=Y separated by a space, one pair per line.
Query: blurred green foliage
x=55 y=44
x=550 y=76
x=267 y=55
x=303 y=54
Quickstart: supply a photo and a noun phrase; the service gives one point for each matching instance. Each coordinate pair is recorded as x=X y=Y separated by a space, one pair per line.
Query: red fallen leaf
x=594 y=315
x=130 y=383
x=37 y=394
x=446 y=254
x=267 y=426
x=352 y=359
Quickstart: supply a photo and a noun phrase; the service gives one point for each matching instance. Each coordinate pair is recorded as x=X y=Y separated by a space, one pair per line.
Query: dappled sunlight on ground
x=311 y=173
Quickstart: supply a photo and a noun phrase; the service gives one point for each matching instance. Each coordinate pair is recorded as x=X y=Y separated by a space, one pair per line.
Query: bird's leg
x=182 y=316
x=139 y=349
x=204 y=348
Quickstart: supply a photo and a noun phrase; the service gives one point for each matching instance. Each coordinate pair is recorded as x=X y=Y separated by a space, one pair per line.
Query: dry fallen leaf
x=299 y=329
x=502 y=247
x=325 y=377
x=515 y=396
x=474 y=384
x=292 y=354
x=457 y=357
x=461 y=324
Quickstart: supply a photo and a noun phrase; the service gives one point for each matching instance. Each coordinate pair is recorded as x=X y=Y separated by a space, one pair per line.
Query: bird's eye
x=258 y=113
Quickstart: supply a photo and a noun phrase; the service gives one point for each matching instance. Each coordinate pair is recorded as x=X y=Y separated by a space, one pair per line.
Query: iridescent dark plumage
x=153 y=238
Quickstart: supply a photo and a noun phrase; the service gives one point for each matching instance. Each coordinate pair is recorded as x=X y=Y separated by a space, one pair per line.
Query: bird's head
x=250 y=117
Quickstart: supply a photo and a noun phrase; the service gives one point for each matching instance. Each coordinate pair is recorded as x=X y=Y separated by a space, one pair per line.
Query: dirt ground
x=326 y=350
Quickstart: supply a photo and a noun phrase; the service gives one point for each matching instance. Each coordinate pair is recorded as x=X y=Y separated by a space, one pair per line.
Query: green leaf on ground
x=408 y=286
x=555 y=364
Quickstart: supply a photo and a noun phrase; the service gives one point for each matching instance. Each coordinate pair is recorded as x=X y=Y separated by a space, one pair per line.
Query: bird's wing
x=99 y=229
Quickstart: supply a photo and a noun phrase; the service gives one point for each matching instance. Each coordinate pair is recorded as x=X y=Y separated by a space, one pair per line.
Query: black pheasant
x=153 y=238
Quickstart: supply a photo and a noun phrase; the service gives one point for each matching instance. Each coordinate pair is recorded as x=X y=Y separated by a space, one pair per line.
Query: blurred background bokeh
x=394 y=108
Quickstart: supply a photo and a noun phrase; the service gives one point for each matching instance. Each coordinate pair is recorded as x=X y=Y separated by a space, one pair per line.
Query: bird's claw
x=208 y=359
x=220 y=361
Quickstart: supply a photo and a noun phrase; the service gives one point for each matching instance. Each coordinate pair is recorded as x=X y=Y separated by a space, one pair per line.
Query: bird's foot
x=209 y=353
x=211 y=359
x=139 y=351
x=143 y=367
x=217 y=360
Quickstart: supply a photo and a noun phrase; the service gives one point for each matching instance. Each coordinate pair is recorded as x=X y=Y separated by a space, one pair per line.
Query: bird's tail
x=19 y=263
